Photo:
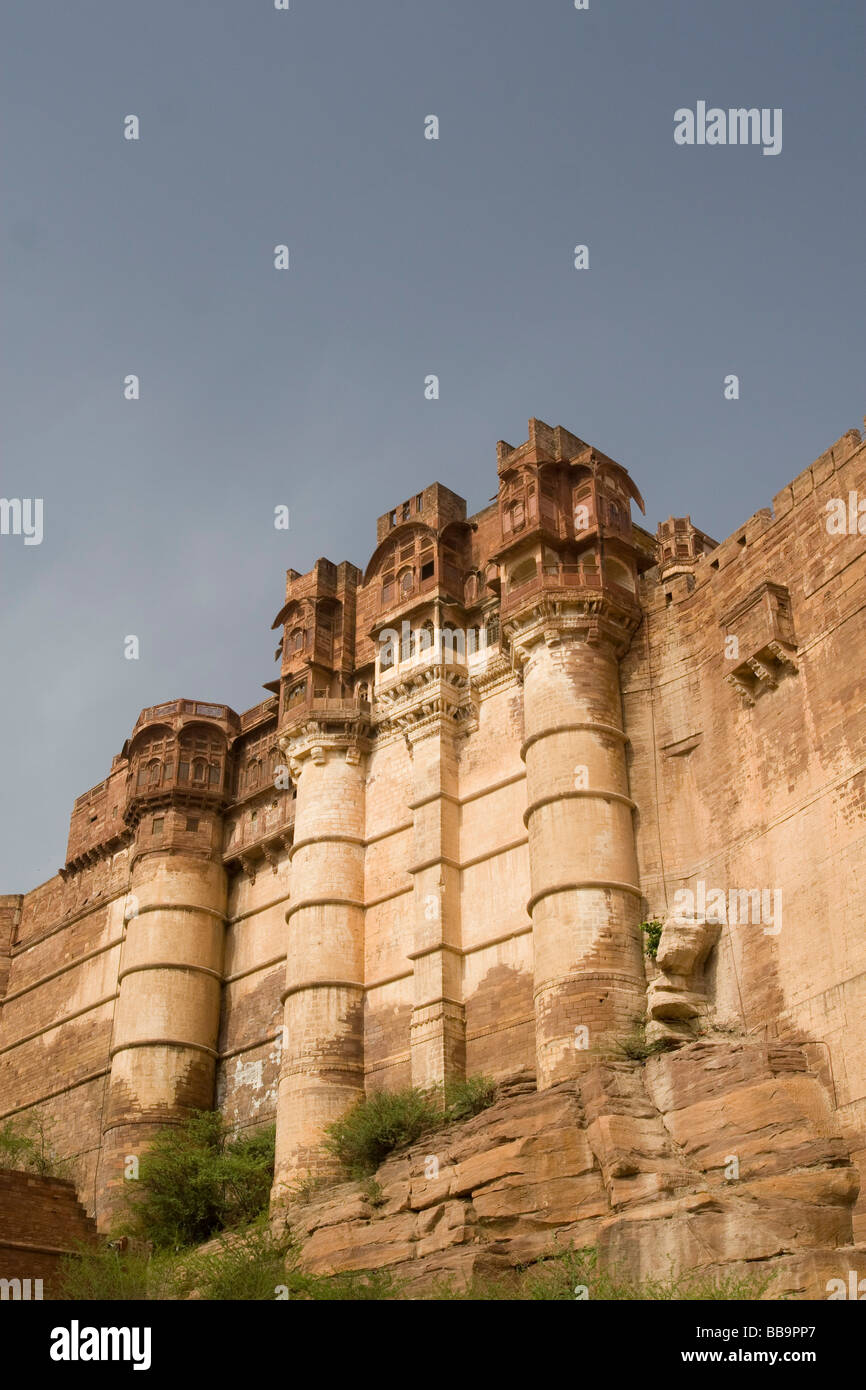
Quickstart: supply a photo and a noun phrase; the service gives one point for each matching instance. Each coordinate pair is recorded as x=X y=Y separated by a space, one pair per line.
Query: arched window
x=619 y=573
x=153 y=771
x=406 y=581
x=523 y=572
x=198 y=752
x=296 y=640
x=296 y=694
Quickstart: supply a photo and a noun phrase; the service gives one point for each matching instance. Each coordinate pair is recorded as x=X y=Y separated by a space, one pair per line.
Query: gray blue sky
x=408 y=257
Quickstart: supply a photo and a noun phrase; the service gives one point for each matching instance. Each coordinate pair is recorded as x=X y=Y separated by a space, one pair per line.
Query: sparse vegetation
x=197 y=1180
x=258 y=1265
x=653 y=931
x=308 y=1187
x=574 y=1275
x=372 y=1193
x=251 y=1265
x=466 y=1098
x=27 y=1147
x=634 y=1046
x=107 y=1274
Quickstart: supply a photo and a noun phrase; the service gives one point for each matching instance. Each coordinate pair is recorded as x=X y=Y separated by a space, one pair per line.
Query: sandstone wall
x=747 y=771
x=769 y=793
x=57 y=1014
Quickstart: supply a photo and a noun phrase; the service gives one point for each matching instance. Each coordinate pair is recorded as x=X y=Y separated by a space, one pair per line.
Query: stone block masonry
x=488 y=757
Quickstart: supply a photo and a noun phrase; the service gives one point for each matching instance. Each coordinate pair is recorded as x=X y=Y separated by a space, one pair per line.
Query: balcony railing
x=194 y=707
x=566 y=577
x=324 y=704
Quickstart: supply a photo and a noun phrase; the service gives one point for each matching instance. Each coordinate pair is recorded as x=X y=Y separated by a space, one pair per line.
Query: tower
x=163 y=1048
x=323 y=723
x=569 y=609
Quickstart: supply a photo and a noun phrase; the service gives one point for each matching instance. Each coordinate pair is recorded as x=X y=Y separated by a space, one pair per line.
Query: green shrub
x=469 y=1097
x=653 y=936
x=378 y=1124
x=308 y=1187
x=196 y=1180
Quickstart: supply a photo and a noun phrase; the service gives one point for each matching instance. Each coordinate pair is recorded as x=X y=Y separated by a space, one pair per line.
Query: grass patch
x=252 y=1265
x=257 y=1265
x=574 y=1276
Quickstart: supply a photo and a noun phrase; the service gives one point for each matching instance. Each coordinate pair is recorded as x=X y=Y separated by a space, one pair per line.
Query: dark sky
x=408 y=257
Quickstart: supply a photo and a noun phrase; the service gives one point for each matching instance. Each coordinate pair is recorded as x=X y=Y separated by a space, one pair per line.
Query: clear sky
x=408 y=257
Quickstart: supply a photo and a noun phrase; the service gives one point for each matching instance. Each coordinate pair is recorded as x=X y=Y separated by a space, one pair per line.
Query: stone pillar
x=585 y=900
x=322 y=1069
x=164 y=1041
x=438 y=1025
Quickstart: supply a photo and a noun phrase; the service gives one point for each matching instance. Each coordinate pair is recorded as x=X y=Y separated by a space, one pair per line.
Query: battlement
x=434 y=507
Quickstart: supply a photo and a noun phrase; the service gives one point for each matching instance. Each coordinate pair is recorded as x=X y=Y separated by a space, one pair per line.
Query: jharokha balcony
x=561 y=578
x=328 y=709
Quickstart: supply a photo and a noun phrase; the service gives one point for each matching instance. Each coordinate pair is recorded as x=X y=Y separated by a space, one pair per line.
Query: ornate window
x=523 y=572
x=296 y=695
x=201 y=758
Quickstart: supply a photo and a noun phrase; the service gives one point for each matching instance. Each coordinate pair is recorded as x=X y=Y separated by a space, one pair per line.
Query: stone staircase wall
x=41 y=1220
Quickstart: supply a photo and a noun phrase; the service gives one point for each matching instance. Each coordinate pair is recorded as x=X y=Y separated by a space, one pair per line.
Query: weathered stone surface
x=684 y=946
x=652 y=1188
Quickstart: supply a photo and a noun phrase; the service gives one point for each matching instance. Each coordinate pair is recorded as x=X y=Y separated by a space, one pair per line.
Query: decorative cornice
x=437 y=699
x=319 y=736
x=598 y=619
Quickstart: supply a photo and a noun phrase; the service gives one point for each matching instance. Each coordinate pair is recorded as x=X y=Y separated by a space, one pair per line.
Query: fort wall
x=411 y=865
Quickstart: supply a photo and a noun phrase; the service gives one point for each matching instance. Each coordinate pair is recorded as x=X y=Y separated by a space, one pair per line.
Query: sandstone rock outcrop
x=721 y=1157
